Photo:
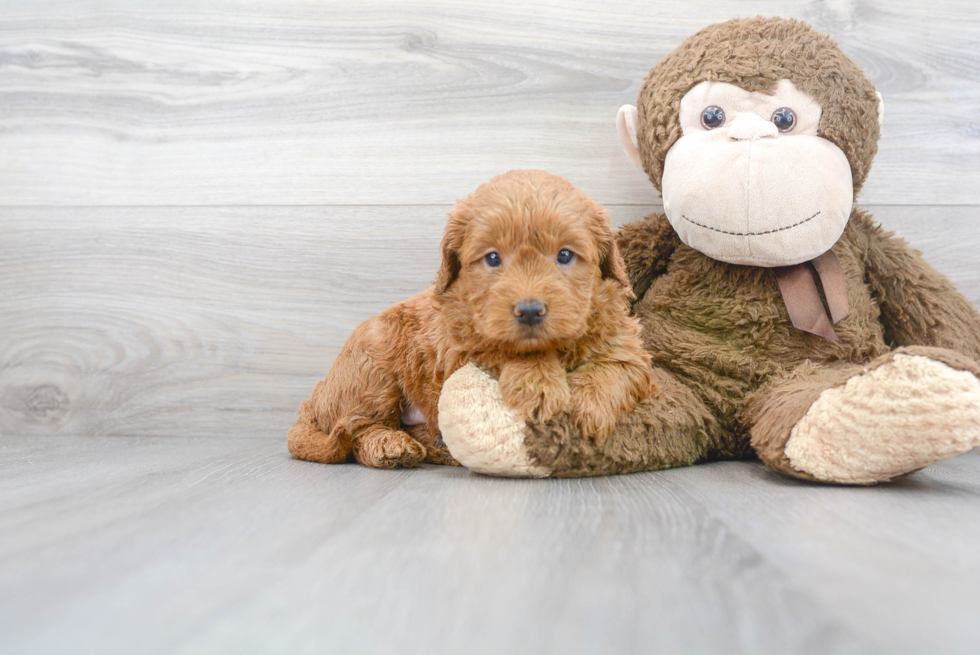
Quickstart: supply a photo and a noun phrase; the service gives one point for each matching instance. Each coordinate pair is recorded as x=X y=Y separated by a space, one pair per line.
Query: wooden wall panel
x=289 y=102
x=218 y=321
x=199 y=201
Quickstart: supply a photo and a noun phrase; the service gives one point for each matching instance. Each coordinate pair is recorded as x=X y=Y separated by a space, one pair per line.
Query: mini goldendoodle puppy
x=531 y=286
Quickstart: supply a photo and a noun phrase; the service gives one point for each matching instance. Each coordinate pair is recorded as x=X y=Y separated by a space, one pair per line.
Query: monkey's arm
x=919 y=305
x=646 y=247
x=669 y=428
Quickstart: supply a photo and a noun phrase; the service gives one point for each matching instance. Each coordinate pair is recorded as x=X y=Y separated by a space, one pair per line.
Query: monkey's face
x=750 y=181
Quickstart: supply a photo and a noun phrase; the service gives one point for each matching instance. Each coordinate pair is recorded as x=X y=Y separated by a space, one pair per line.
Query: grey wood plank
x=291 y=102
x=191 y=321
x=838 y=542
x=228 y=546
x=219 y=321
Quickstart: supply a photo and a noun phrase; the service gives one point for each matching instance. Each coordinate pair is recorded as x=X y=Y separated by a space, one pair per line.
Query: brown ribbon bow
x=802 y=299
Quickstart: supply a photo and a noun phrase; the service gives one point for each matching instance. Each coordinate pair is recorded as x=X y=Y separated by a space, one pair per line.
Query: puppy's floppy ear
x=452 y=241
x=611 y=263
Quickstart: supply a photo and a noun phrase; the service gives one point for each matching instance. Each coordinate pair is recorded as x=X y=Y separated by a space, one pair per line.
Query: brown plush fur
x=732 y=370
x=584 y=358
x=733 y=373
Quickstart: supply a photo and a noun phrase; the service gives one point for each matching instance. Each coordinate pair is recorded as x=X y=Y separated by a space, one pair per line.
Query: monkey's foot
x=905 y=414
x=481 y=432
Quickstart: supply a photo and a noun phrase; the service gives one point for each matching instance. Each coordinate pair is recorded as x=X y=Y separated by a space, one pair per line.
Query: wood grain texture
x=295 y=102
x=205 y=545
x=905 y=552
x=219 y=321
x=199 y=202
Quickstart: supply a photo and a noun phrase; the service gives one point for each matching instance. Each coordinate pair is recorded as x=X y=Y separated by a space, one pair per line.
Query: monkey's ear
x=452 y=240
x=626 y=124
x=881 y=109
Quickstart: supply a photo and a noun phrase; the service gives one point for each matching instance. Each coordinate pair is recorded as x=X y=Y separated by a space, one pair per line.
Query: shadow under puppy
x=531 y=287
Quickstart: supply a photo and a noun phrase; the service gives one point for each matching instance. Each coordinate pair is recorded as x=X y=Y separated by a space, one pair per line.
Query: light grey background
x=200 y=200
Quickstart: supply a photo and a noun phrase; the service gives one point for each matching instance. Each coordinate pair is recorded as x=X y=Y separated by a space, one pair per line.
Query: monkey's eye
x=565 y=256
x=712 y=117
x=493 y=259
x=784 y=119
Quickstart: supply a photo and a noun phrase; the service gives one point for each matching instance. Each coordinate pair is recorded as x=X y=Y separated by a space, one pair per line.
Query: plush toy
x=781 y=321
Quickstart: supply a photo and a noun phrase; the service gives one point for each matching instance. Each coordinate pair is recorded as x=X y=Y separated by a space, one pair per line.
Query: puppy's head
x=530 y=258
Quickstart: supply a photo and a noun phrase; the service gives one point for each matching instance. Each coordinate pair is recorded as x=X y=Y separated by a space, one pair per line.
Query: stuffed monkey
x=782 y=322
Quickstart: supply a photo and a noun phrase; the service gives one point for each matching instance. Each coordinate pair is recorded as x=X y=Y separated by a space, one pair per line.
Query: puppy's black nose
x=529 y=312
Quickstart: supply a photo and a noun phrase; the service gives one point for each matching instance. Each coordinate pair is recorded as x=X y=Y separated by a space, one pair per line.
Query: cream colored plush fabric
x=626 y=126
x=906 y=414
x=743 y=192
x=481 y=432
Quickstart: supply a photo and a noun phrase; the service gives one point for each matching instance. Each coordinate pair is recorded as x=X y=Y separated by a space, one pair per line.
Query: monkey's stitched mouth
x=750 y=234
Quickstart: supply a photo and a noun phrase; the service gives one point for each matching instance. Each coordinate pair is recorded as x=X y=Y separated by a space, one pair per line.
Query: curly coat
x=582 y=355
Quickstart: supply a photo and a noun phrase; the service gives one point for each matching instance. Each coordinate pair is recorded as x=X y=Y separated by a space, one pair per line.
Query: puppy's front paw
x=435 y=448
x=603 y=394
x=595 y=422
x=438 y=453
x=534 y=398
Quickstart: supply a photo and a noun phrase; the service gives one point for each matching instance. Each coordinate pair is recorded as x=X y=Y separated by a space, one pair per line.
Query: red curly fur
x=584 y=357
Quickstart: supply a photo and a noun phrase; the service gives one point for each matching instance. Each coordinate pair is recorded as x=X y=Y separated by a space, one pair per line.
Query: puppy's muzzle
x=530 y=312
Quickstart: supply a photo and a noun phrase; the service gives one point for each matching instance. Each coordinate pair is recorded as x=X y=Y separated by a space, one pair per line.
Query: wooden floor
x=200 y=200
x=178 y=545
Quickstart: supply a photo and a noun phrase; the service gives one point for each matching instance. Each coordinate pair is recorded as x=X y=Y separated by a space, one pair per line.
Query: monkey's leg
x=668 y=429
x=867 y=424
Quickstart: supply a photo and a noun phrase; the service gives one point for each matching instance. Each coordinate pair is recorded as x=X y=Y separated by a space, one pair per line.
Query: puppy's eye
x=784 y=119
x=565 y=256
x=493 y=259
x=712 y=117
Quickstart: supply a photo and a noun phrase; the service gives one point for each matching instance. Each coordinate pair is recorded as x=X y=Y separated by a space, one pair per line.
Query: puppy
x=531 y=286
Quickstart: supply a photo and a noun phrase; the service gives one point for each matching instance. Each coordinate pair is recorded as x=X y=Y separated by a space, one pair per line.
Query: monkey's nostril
x=530 y=312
